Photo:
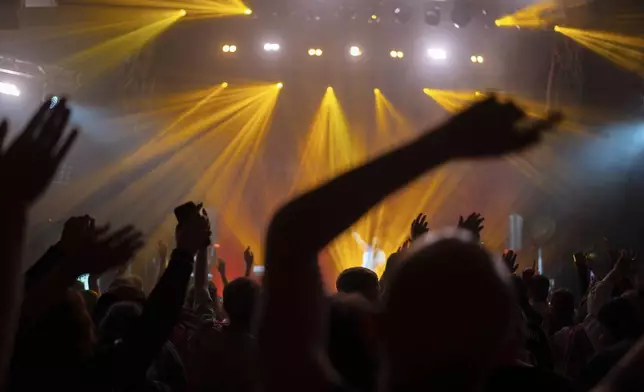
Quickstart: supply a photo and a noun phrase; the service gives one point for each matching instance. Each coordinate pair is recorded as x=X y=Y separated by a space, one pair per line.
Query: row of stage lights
x=436 y=54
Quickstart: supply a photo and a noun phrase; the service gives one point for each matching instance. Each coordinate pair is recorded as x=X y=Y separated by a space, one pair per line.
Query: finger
x=54 y=128
x=101 y=230
x=37 y=120
x=64 y=149
x=120 y=234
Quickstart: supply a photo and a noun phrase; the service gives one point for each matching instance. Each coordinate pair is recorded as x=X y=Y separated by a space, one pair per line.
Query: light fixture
x=403 y=13
x=477 y=59
x=279 y=85
x=437 y=54
x=329 y=89
x=311 y=52
x=229 y=48
x=318 y=52
x=355 y=51
x=224 y=85
x=9 y=89
x=457 y=25
x=374 y=17
x=462 y=12
x=271 y=47
x=376 y=90
x=432 y=14
x=182 y=13
x=556 y=28
x=396 y=54
x=248 y=11
x=315 y=52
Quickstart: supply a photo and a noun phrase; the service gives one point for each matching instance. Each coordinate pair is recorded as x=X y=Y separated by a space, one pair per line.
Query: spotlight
x=279 y=85
x=9 y=89
x=355 y=51
x=376 y=90
x=315 y=52
x=248 y=11
x=437 y=54
x=318 y=52
x=473 y=58
x=396 y=54
x=271 y=47
x=432 y=14
x=557 y=28
x=374 y=18
x=403 y=13
x=233 y=48
x=311 y=52
x=224 y=85
x=182 y=13
x=329 y=89
x=480 y=59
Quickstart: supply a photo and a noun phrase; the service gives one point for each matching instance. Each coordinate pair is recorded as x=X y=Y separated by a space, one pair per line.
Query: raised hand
x=221 y=267
x=77 y=233
x=528 y=273
x=194 y=233
x=473 y=223
x=510 y=260
x=419 y=226
x=92 y=250
x=490 y=128
x=28 y=166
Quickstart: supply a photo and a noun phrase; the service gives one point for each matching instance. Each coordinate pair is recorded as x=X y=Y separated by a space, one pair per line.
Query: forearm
x=12 y=233
x=161 y=312
x=202 y=297
x=291 y=257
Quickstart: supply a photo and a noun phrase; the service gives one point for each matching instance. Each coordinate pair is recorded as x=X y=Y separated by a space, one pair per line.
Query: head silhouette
x=450 y=315
x=359 y=280
x=240 y=300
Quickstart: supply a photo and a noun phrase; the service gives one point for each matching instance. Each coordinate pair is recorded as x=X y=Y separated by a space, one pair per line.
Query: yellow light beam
x=97 y=60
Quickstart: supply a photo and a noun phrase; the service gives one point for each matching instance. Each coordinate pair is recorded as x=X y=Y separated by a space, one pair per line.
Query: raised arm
x=290 y=333
x=27 y=167
x=360 y=241
x=162 y=309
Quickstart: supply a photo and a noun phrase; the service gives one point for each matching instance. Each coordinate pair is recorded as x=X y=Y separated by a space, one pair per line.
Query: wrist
x=183 y=255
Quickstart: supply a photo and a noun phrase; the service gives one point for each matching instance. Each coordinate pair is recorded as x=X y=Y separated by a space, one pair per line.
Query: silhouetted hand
x=95 y=251
x=528 y=273
x=28 y=166
x=77 y=232
x=419 y=226
x=473 y=223
x=404 y=245
x=510 y=261
x=221 y=267
x=249 y=258
x=490 y=128
x=194 y=233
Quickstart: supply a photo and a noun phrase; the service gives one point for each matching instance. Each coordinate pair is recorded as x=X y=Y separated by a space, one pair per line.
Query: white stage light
x=271 y=47
x=355 y=51
x=437 y=54
x=9 y=89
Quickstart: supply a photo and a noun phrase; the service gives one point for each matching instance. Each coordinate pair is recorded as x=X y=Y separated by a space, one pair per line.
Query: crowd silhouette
x=446 y=314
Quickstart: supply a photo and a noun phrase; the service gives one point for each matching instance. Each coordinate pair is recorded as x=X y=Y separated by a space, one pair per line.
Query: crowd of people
x=445 y=315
